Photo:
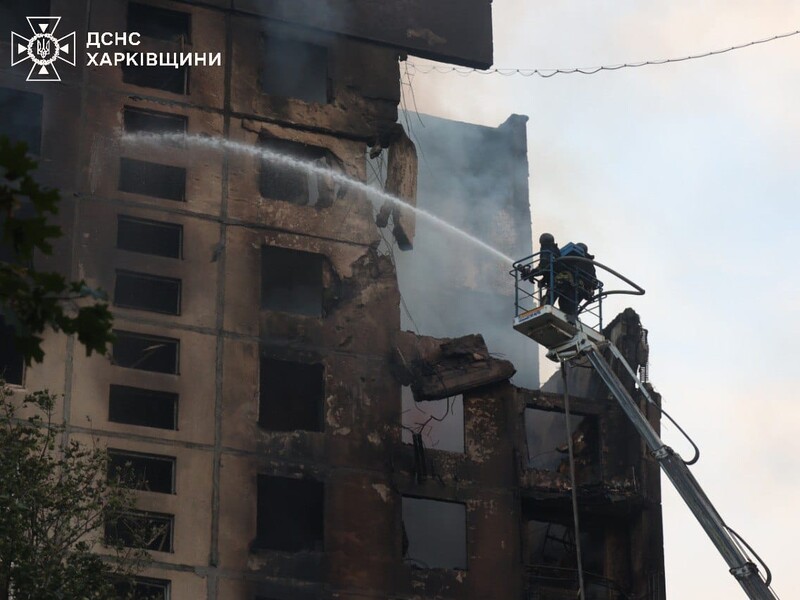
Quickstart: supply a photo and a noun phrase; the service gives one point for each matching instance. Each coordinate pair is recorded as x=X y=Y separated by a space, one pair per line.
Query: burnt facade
x=259 y=368
x=476 y=178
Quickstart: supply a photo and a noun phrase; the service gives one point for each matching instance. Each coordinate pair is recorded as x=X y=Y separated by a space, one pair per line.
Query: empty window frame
x=553 y=544
x=294 y=69
x=22 y=114
x=439 y=422
x=13 y=15
x=137 y=120
x=152 y=179
x=546 y=434
x=138 y=406
x=291 y=395
x=290 y=514
x=138 y=471
x=168 y=79
x=291 y=281
x=159 y=23
x=551 y=556
x=12 y=365
x=145 y=352
x=172 y=30
x=149 y=237
x=147 y=292
x=278 y=181
x=434 y=533
x=141 y=529
x=143 y=588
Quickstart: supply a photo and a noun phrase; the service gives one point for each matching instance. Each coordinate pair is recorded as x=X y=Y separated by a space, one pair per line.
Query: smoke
x=295 y=62
x=475 y=178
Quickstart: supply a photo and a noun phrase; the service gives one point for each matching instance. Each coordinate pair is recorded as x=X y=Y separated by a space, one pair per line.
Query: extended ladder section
x=568 y=338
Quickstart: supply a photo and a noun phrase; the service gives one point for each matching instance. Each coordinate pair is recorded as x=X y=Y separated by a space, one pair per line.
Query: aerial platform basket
x=540 y=301
x=551 y=328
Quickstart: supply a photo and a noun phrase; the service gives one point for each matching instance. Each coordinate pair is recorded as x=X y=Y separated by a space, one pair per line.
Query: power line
x=545 y=73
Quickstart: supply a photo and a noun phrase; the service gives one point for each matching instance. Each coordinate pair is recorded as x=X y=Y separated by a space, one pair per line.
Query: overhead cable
x=546 y=73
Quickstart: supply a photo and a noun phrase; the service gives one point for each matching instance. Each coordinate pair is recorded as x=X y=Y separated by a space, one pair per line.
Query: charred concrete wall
x=516 y=452
x=258 y=328
x=192 y=377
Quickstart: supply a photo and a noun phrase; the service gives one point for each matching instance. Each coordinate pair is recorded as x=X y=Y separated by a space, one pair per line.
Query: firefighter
x=586 y=274
x=548 y=253
x=566 y=290
x=567 y=280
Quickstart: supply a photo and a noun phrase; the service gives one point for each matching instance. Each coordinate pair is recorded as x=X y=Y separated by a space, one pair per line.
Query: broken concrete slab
x=438 y=369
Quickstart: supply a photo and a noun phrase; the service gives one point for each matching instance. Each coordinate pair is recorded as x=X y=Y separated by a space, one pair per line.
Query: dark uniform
x=568 y=281
x=586 y=275
x=548 y=253
x=566 y=290
x=575 y=279
x=566 y=276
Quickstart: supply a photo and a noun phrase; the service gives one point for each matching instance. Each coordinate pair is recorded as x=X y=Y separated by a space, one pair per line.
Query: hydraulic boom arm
x=568 y=338
x=745 y=572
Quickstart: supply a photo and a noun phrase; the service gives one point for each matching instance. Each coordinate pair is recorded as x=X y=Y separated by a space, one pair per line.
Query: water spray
x=374 y=194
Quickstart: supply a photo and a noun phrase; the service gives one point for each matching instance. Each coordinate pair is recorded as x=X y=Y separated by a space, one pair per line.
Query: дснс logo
x=43 y=49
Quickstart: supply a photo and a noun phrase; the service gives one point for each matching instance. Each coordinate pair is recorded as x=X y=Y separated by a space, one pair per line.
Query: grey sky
x=685 y=177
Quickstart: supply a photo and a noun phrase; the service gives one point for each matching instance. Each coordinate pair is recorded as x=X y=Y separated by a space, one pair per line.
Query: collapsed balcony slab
x=438 y=369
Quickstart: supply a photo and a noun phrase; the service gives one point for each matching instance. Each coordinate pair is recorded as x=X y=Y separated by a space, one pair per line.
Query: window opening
x=170 y=26
x=149 y=237
x=145 y=352
x=552 y=560
x=22 y=111
x=159 y=23
x=137 y=120
x=434 y=533
x=138 y=406
x=440 y=422
x=290 y=514
x=143 y=588
x=146 y=472
x=294 y=69
x=12 y=365
x=141 y=529
x=291 y=395
x=546 y=435
x=147 y=292
x=168 y=79
x=290 y=184
x=291 y=281
x=152 y=179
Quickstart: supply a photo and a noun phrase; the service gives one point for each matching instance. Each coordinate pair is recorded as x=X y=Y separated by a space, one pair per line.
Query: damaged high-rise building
x=297 y=439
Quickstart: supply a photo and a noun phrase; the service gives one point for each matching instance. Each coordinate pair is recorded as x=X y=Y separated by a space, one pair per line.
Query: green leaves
x=18 y=192
x=55 y=499
x=33 y=301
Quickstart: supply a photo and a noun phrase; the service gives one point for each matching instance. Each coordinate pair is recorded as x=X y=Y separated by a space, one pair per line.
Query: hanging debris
x=401 y=181
x=444 y=368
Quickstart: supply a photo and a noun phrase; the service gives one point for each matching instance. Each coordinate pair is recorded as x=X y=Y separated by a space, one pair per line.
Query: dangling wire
x=573 y=481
